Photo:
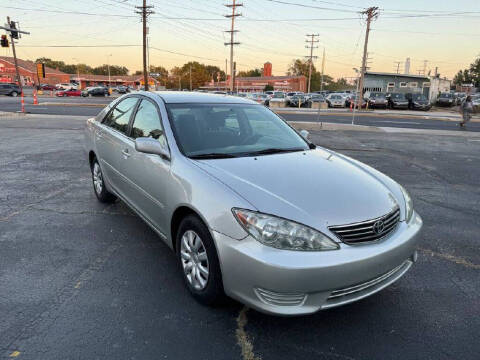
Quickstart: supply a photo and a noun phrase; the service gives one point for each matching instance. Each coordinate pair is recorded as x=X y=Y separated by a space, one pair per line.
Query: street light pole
x=109 y=79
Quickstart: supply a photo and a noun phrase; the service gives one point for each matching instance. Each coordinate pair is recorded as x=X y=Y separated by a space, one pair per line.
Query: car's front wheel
x=14 y=94
x=103 y=195
x=199 y=261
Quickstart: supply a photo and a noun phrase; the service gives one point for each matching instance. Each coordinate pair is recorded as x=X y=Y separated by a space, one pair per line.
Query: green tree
x=268 y=87
x=114 y=70
x=250 y=73
x=469 y=76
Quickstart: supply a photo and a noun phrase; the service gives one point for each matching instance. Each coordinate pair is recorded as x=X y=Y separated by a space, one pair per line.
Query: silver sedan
x=251 y=208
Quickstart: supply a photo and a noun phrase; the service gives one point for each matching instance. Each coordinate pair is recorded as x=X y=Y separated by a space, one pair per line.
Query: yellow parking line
x=15 y=354
x=78 y=284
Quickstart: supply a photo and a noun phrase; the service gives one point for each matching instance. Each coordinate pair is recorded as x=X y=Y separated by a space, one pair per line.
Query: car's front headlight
x=282 y=234
x=408 y=204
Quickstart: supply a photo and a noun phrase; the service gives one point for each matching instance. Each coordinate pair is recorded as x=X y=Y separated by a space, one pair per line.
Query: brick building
x=114 y=80
x=258 y=83
x=28 y=72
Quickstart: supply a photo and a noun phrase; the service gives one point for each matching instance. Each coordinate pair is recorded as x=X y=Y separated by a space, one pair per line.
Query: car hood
x=315 y=187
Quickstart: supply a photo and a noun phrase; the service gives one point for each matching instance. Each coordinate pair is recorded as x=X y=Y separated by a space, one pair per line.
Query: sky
x=444 y=33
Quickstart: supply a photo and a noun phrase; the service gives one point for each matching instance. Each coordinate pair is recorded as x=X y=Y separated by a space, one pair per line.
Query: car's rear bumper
x=285 y=282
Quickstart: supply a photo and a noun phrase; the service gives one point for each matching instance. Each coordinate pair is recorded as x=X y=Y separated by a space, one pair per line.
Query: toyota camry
x=251 y=208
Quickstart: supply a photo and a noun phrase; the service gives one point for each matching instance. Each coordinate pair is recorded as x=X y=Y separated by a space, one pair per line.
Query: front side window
x=231 y=130
x=147 y=123
x=119 y=117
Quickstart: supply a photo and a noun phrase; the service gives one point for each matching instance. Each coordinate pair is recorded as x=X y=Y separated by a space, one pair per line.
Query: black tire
x=103 y=195
x=212 y=294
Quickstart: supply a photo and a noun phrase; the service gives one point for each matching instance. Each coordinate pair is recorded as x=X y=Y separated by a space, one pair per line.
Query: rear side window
x=147 y=123
x=119 y=117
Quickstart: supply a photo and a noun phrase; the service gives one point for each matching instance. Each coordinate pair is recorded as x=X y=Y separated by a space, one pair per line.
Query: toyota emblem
x=378 y=227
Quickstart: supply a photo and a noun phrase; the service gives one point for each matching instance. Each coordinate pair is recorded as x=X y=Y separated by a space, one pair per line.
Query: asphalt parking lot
x=83 y=280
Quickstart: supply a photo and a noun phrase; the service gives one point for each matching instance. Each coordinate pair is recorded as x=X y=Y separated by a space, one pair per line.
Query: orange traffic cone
x=23 y=103
x=35 y=98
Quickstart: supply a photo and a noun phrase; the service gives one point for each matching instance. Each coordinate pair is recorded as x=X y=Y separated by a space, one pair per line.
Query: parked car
x=335 y=100
x=397 y=101
x=278 y=97
x=95 y=91
x=121 y=89
x=10 y=89
x=202 y=171
x=376 y=100
x=292 y=93
x=260 y=98
x=419 y=102
x=298 y=100
x=352 y=98
x=316 y=98
x=69 y=92
x=446 y=99
x=66 y=86
x=47 y=87
x=476 y=102
x=460 y=97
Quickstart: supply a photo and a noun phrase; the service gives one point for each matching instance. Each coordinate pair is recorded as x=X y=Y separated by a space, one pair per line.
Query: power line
x=145 y=11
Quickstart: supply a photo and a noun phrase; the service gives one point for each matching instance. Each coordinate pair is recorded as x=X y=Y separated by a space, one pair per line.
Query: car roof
x=179 y=97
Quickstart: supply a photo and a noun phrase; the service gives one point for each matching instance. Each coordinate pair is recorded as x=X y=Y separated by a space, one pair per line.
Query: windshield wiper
x=274 y=151
x=212 y=156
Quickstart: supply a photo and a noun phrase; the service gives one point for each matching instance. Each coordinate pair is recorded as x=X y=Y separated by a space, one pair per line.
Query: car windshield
x=398 y=96
x=446 y=96
x=419 y=97
x=278 y=96
x=231 y=130
x=377 y=96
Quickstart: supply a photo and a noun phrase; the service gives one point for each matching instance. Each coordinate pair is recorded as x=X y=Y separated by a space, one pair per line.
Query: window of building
x=391 y=84
x=403 y=84
x=413 y=84
x=426 y=84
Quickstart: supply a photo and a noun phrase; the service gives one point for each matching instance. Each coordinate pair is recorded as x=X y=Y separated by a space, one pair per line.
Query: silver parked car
x=251 y=208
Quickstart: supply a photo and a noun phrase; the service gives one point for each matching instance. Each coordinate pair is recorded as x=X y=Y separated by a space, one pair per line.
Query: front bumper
x=283 y=282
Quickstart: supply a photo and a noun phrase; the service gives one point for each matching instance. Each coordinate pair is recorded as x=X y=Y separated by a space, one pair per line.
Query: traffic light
x=41 y=70
x=4 y=41
x=14 y=33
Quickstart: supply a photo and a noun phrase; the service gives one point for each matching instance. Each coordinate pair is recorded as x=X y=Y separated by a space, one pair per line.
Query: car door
x=110 y=140
x=3 y=89
x=148 y=174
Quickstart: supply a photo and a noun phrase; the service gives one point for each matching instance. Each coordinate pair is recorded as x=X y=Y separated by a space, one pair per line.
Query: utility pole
x=398 y=65
x=323 y=70
x=145 y=11
x=232 y=43
x=310 y=61
x=190 y=77
x=14 y=34
x=372 y=13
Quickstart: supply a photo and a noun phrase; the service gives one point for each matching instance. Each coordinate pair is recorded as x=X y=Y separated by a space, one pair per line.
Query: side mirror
x=304 y=134
x=151 y=146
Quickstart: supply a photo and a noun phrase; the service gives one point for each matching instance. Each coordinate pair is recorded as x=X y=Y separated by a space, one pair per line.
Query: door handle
x=126 y=153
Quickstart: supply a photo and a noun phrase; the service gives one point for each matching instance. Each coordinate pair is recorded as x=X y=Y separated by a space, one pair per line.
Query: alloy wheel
x=194 y=260
x=97 y=178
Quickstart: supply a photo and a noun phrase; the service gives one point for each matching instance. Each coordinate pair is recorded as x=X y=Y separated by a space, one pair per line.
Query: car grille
x=370 y=230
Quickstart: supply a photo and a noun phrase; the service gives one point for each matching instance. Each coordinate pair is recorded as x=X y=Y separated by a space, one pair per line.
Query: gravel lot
x=81 y=280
